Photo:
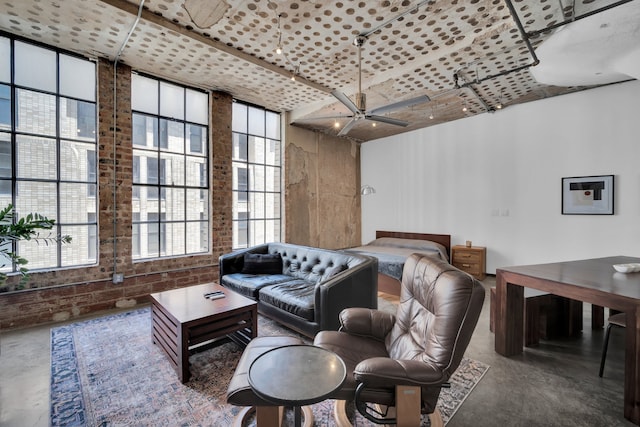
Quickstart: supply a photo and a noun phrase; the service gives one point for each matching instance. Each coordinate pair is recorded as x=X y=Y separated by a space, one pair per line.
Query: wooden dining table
x=593 y=281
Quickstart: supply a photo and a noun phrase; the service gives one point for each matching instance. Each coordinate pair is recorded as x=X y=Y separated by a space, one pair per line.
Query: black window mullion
x=14 y=118
x=58 y=163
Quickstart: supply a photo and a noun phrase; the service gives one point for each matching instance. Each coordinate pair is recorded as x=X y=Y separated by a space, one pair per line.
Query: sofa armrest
x=354 y=287
x=234 y=262
x=366 y=322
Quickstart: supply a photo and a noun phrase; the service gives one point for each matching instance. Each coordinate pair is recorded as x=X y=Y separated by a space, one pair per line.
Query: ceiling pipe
x=523 y=33
x=479 y=98
x=574 y=18
x=525 y=38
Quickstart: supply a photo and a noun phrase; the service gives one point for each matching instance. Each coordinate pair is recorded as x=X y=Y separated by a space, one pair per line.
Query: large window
x=256 y=176
x=170 y=169
x=48 y=148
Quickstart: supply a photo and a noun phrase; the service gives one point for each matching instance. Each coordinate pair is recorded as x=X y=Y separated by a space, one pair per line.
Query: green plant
x=28 y=227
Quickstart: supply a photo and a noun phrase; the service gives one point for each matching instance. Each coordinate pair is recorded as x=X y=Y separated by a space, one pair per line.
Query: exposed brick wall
x=76 y=292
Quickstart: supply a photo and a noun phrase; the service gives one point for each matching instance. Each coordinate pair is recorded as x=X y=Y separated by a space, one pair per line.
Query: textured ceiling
x=412 y=48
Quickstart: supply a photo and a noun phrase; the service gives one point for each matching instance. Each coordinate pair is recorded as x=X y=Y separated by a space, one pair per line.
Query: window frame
x=85 y=244
x=158 y=150
x=247 y=195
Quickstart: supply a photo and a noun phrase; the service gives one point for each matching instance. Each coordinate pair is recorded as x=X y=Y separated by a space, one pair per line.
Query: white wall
x=495 y=178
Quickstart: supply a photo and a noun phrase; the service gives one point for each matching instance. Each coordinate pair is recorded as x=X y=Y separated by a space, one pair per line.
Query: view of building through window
x=256 y=176
x=48 y=160
x=170 y=169
x=48 y=148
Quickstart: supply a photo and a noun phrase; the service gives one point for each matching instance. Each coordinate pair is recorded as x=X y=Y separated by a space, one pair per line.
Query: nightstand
x=470 y=259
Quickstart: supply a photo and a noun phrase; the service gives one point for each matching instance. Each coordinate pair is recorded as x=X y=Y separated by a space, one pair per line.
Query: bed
x=393 y=247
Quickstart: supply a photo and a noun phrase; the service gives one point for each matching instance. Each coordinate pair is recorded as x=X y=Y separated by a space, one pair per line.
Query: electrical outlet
x=118 y=278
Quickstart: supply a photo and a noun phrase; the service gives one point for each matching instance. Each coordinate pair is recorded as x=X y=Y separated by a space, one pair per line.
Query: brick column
x=221 y=173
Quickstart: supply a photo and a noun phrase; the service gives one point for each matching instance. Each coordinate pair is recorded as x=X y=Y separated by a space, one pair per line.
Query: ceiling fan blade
x=388 y=120
x=335 y=117
x=346 y=101
x=385 y=109
x=345 y=130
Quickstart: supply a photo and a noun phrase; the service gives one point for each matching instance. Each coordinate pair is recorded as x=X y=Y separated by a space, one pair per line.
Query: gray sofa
x=309 y=287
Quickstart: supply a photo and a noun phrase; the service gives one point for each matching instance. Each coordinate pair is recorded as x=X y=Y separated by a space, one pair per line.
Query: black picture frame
x=588 y=195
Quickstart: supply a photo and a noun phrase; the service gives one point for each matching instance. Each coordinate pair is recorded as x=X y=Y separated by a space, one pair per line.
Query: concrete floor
x=555 y=384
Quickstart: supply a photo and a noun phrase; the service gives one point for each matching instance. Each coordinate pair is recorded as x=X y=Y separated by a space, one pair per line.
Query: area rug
x=107 y=372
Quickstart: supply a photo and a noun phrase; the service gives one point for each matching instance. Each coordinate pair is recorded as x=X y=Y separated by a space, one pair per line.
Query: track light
x=279 y=47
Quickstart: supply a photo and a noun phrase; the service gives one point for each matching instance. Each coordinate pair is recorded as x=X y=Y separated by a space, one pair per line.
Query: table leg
x=509 y=316
x=183 y=354
x=631 y=362
x=597 y=317
x=254 y=321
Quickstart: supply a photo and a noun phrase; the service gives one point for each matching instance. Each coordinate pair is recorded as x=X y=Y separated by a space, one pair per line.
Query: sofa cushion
x=262 y=263
x=332 y=271
x=249 y=284
x=312 y=267
x=295 y=296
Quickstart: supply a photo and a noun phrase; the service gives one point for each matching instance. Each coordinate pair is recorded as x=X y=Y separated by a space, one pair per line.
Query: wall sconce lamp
x=365 y=190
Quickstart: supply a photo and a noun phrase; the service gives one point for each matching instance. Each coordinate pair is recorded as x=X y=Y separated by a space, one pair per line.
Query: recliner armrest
x=366 y=322
x=383 y=372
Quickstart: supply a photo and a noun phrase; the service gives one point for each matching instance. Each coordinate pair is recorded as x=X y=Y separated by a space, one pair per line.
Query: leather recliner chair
x=403 y=360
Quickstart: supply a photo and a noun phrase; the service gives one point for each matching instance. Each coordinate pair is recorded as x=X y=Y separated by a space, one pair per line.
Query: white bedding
x=393 y=251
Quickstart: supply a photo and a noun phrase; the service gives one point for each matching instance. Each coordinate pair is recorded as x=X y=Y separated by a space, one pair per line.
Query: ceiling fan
x=359 y=108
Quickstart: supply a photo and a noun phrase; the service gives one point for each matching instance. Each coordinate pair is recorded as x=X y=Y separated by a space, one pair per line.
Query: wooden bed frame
x=390 y=285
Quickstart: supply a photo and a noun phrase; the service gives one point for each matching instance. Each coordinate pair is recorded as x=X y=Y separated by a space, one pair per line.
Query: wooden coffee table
x=183 y=318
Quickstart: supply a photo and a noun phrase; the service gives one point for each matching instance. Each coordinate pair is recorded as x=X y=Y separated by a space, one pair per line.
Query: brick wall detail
x=71 y=293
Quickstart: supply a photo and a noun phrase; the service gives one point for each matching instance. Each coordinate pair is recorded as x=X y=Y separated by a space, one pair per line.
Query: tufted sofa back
x=312 y=264
x=437 y=314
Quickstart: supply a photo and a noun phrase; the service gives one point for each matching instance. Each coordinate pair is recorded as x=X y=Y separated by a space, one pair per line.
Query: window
x=170 y=169
x=5 y=107
x=48 y=148
x=256 y=176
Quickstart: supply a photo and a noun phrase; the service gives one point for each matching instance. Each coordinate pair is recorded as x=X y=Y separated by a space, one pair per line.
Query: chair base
x=342 y=420
x=269 y=416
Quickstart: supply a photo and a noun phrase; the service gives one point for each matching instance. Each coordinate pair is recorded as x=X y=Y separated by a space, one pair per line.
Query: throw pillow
x=262 y=264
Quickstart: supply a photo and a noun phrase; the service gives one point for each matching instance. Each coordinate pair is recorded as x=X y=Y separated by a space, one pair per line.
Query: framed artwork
x=587 y=195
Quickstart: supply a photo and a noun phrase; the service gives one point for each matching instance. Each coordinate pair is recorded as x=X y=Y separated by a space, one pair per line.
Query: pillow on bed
x=262 y=264
x=404 y=243
x=421 y=245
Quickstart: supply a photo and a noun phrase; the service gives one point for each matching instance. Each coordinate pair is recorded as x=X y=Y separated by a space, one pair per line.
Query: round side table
x=297 y=375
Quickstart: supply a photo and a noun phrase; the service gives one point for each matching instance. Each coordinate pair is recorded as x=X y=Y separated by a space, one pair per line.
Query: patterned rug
x=107 y=372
